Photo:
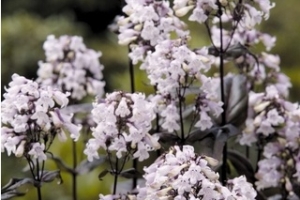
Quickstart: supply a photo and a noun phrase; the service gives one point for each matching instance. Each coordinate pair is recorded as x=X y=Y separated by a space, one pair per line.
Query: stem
x=181 y=118
x=132 y=86
x=259 y=152
x=74 y=175
x=116 y=176
x=38 y=180
x=221 y=54
x=158 y=153
x=247 y=152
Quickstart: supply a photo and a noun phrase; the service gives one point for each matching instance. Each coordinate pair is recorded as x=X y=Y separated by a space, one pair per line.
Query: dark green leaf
x=212 y=142
x=130 y=173
x=78 y=108
x=86 y=166
x=169 y=138
x=11 y=188
x=241 y=164
x=60 y=164
x=102 y=174
x=49 y=176
x=236 y=100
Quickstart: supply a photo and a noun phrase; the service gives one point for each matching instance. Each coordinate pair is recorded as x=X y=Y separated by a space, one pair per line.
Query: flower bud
x=164 y=192
x=20 y=150
x=262 y=106
x=176 y=170
x=183 y=11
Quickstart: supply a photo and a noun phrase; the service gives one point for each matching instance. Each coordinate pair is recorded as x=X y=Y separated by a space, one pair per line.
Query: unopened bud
x=123 y=21
x=224 y=2
x=183 y=11
x=176 y=170
x=211 y=175
x=20 y=149
x=138 y=27
x=288 y=185
x=262 y=106
x=211 y=161
x=163 y=192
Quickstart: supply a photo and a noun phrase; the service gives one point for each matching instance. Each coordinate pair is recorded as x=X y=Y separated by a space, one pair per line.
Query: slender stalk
x=74 y=175
x=221 y=53
x=259 y=152
x=38 y=180
x=158 y=153
x=132 y=86
x=247 y=152
x=116 y=176
x=181 y=118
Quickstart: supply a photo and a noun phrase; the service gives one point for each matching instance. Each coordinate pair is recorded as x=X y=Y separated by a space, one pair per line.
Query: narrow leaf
x=49 y=176
x=236 y=99
x=78 y=108
x=241 y=165
x=130 y=173
x=169 y=138
x=102 y=174
x=86 y=166
x=60 y=164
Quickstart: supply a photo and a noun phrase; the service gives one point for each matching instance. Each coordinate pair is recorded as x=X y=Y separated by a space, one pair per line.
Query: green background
x=26 y=24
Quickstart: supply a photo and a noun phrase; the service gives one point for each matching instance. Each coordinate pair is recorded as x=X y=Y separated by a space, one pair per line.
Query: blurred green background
x=26 y=24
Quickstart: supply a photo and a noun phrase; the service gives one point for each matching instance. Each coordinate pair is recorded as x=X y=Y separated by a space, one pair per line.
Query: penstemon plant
x=204 y=98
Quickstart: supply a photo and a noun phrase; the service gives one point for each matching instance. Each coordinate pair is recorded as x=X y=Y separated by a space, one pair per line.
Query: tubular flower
x=123 y=121
x=28 y=124
x=71 y=66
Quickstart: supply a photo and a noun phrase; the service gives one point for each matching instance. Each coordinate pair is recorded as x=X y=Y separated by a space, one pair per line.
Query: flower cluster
x=172 y=64
x=246 y=12
x=172 y=68
x=71 y=66
x=275 y=124
x=147 y=24
x=123 y=123
x=31 y=118
x=181 y=174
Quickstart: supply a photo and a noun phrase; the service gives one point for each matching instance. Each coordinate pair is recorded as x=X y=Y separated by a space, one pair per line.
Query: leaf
x=192 y=90
x=241 y=164
x=78 y=108
x=130 y=173
x=125 y=187
x=236 y=100
x=213 y=142
x=198 y=135
x=10 y=189
x=11 y=194
x=102 y=174
x=49 y=176
x=187 y=111
x=169 y=138
x=60 y=164
x=85 y=166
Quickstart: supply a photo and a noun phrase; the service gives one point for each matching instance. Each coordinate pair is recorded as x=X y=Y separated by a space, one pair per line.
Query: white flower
x=265 y=128
x=118 y=145
x=71 y=67
x=11 y=144
x=122 y=109
x=91 y=150
x=37 y=151
x=20 y=123
x=274 y=118
x=28 y=110
x=113 y=124
x=198 y=15
x=204 y=122
x=63 y=122
x=188 y=174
